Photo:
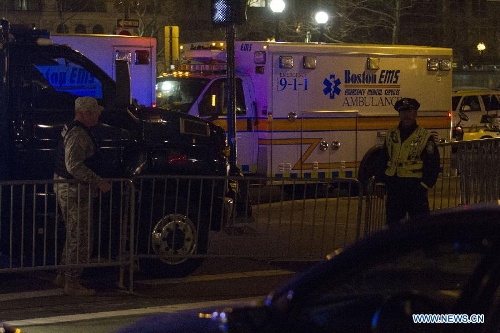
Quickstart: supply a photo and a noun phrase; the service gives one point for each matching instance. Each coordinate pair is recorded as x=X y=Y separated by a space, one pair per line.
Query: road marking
x=30 y=294
x=214 y=277
x=135 y=312
x=194 y=278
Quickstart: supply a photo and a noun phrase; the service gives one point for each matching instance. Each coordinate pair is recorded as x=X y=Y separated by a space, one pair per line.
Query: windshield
x=179 y=94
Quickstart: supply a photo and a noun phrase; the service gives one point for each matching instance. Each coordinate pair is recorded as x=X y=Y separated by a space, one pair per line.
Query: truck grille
x=188 y=126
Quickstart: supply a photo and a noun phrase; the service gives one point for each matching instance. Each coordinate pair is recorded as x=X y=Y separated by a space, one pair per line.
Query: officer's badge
x=430 y=148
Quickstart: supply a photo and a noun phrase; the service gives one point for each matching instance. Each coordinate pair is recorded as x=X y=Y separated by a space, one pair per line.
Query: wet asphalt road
x=31 y=302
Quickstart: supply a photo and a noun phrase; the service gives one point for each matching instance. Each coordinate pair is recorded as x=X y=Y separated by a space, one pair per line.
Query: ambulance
x=305 y=110
x=104 y=50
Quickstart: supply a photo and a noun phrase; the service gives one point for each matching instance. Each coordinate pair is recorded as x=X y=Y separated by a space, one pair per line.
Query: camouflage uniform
x=75 y=198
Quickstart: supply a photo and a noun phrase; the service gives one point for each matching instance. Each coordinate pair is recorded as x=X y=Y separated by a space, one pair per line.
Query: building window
x=257 y=3
x=82 y=5
x=80 y=29
x=62 y=29
x=457 y=6
x=97 y=29
x=479 y=8
x=25 y=5
x=146 y=6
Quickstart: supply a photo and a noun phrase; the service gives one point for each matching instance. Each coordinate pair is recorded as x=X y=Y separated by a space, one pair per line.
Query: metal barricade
x=477 y=163
x=167 y=225
x=293 y=219
x=33 y=230
x=283 y=221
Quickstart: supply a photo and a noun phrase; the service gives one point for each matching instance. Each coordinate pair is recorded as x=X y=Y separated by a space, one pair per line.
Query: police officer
x=412 y=165
x=75 y=160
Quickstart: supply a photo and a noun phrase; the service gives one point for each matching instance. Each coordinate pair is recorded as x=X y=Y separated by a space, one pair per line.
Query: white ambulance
x=311 y=110
x=140 y=52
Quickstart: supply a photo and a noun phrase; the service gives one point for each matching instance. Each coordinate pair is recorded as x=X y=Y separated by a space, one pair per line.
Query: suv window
x=454 y=102
x=472 y=102
x=490 y=102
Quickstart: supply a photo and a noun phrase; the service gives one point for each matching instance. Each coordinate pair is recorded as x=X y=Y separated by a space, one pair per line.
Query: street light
x=480 y=48
x=277 y=6
x=321 y=19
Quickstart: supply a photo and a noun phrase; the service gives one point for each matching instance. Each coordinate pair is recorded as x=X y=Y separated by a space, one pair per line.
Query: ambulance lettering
x=363 y=78
x=369 y=101
x=365 y=89
x=294 y=81
x=73 y=76
x=331 y=86
x=246 y=47
x=389 y=77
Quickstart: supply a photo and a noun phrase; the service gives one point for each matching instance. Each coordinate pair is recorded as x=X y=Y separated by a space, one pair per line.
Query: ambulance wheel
x=370 y=165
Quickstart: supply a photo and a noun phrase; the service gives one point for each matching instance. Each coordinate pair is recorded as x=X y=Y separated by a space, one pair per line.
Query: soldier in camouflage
x=76 y=164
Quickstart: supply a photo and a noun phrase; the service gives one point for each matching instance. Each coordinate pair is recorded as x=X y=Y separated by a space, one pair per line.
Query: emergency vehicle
x=104 y=50
x=309 y=110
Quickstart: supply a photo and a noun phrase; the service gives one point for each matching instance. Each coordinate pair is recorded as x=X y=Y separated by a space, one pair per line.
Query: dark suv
x=40 y=84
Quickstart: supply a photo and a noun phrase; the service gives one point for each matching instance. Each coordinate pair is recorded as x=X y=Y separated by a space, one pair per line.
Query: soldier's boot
x=73 y=288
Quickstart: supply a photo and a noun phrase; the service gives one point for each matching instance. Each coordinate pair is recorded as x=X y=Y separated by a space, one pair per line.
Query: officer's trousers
x=405 y=196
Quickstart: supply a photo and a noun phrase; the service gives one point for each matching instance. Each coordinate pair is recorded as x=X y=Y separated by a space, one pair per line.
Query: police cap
x=406 y=104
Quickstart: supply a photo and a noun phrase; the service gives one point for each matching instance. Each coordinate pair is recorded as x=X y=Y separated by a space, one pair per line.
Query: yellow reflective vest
x=404 y=158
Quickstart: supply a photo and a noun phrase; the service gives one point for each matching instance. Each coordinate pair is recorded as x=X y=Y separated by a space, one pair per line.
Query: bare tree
x=362 y=21
x=68 y=9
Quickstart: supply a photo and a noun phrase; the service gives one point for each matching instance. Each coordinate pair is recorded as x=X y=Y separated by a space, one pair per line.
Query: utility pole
x=229 y=13
x=231 y=95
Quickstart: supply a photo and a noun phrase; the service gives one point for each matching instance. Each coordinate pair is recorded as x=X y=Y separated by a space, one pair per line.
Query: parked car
x=443 y=270
x=490 y=129
x=478 y=104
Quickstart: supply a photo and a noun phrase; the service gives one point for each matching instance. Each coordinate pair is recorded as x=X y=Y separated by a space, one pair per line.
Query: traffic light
x=171 y=45
x=227 y=12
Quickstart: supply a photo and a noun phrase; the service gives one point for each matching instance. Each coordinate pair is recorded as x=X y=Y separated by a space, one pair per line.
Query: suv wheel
x=175 y=240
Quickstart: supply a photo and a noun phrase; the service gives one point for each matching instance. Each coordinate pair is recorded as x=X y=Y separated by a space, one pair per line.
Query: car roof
x=458 y=88
x=468 y=222
x=475 y=92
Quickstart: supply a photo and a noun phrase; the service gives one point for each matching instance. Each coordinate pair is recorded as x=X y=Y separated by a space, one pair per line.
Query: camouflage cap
x=87 y=104
x=406 y=104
